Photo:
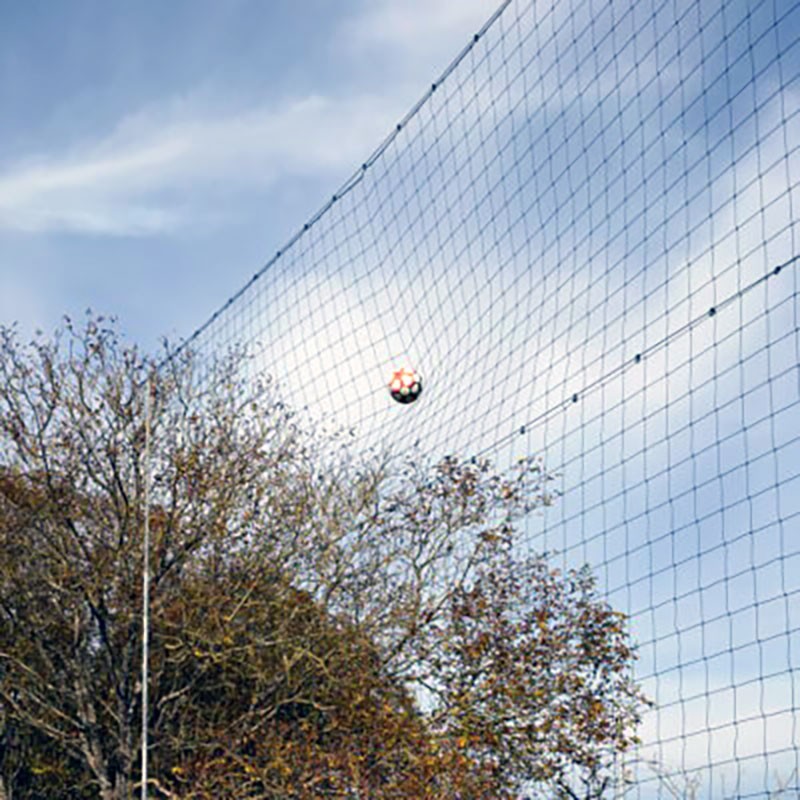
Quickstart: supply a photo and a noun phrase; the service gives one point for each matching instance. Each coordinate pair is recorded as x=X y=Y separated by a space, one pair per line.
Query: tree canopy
x=325 y=623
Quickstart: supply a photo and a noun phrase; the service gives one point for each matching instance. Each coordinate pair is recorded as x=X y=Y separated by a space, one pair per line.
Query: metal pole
x=146 y=584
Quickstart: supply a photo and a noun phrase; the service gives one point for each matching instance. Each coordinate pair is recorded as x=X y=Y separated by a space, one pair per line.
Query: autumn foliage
x=325 y=623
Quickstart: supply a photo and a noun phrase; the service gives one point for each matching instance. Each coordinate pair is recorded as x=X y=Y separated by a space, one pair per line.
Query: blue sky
x=152 y=155
x=590 y=179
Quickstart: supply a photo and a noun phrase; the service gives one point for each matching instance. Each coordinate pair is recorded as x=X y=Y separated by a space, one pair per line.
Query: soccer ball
x=405 y=385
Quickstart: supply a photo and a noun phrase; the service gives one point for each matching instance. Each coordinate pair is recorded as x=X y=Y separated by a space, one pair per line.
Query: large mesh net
x=585 y=237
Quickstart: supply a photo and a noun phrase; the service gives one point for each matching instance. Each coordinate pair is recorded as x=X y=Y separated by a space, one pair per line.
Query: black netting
x=586 y=238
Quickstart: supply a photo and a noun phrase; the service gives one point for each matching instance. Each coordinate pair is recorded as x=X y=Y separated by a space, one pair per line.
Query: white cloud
x=418 y=25
x=146 y=175
x=719 y=740
x=165 y=166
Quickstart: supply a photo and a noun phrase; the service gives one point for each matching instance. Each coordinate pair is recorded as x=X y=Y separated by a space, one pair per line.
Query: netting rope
x=585 y=237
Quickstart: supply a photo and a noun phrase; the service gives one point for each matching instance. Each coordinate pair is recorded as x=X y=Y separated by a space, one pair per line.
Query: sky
x=153 y=156
x=585 y=186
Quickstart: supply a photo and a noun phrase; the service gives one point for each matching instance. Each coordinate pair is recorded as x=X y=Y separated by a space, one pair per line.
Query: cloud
x=720 y=734
x=160 y=166
x=165 y=166
x=418 y=25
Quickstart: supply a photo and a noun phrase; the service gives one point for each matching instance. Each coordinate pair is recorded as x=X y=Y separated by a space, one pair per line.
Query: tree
x=284 y=702
x=71 y=501
x=533 y=675
x=304 y=596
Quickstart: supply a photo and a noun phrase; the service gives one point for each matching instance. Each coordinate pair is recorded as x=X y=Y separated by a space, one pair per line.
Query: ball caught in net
x=405 y=385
